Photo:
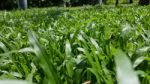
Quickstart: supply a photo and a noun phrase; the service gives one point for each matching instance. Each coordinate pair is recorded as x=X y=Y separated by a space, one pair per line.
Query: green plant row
x=75 y=46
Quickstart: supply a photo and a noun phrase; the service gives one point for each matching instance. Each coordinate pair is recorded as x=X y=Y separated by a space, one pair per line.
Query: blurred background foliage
x=12 y=4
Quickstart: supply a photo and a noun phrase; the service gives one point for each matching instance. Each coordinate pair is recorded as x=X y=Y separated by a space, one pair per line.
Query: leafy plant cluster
x=75 y=46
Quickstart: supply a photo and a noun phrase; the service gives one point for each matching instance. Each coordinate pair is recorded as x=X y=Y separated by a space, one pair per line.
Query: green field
x=101 y=45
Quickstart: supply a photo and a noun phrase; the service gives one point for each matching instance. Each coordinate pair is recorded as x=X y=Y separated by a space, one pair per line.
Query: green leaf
x=13 y=82
x=93 y=41
x=68 y=48
x=138 y=61
x=124 y=69
x=141 y=51
x=3 y=47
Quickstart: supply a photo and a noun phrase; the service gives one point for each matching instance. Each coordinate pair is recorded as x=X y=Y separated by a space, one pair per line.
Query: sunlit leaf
x=68 y=48
x=124 y=69
x=13 y=82
x=138 y=61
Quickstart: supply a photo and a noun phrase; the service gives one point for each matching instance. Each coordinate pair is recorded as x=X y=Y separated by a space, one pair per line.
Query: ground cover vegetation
x=75 y=45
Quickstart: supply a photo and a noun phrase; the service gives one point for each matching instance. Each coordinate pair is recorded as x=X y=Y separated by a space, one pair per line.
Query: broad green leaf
x=138 y=61
x=13 y=82
x=141 y=51
x=124 y=69
x=68 y=48
x=93 y=41
x=81 y=49
x=3 y=47
x=29 y=49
